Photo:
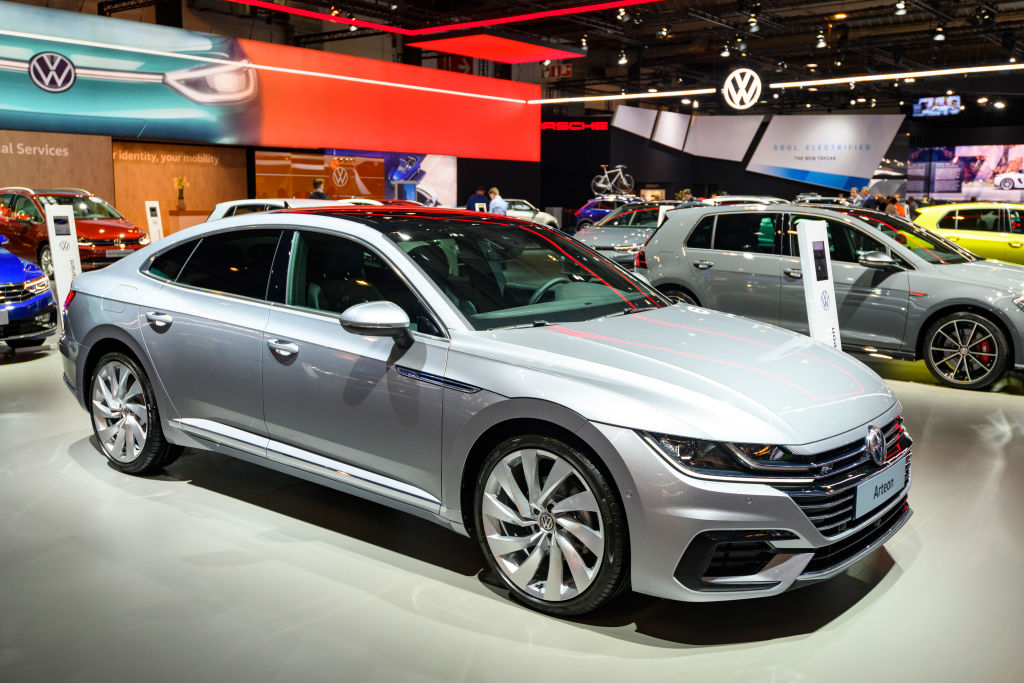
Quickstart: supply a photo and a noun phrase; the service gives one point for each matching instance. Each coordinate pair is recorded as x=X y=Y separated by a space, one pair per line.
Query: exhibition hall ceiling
x=636 y=46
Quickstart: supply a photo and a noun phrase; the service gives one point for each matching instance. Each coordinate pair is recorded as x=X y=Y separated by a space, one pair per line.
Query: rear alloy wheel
x=1006 y=183
x=125 y=419
x=46 y=261
x=550 y=526
x=966 y=351
x=680 y=296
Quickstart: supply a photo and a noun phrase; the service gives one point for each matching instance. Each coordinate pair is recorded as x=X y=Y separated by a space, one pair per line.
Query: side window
x=236 y=262
x=748 y=232
x=5 y=204
x=167 y=265
x=985 y=220
x=948 y=222
x=331 y=273
x=845 y=243
x=246 y=208
x=700 y=238
x=25 y=209
x=518 y=206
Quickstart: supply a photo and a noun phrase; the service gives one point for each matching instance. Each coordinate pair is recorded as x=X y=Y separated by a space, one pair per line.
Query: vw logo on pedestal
x=51 y=71
x=742 y=89
x=826 y=300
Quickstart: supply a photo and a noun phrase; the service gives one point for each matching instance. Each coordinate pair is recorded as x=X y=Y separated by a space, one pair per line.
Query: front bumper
x=32 y=319
x=98 y=256
x=697 y=540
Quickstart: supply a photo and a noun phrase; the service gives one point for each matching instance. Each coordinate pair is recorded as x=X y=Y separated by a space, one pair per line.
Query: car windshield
x=631 y=217
x=84 y=206
x=929 y=246
x=505 y=274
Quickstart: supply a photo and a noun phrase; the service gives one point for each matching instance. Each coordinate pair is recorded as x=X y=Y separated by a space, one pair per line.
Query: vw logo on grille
x=826 y=300
x=875 y=445
x=742 y=88
x=51 y=71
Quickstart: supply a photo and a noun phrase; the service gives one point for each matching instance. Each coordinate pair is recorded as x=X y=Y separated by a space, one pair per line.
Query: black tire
x=612 y=565
x=680 y=296
x=156 y=452
x=45 y=260
x=1006 y=184
x=583 y=225
x=25 y=343
x=965 y=350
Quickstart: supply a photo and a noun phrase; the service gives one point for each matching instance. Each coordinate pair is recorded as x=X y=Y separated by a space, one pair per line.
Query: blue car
x=28 y=313
x=599 y=207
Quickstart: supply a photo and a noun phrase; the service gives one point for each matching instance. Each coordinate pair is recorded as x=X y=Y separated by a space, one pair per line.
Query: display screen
x=61 y=226
x=820 y=265
x=937 y=106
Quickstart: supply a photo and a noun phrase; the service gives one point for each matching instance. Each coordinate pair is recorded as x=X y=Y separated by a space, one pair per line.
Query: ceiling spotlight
x=901 y=8
x=781 y=65
x=962 y=107
x=335 y=11
x=982 y=17
x=982 y=100
x=812 y=65
x=393 y=6
x=861 y=99
x=752 y=23
x=725 y=51
x=939 y=32
x=999 y=105
x=1013 y=60
x=685 y=100
x=546 y=62
x=949 y=92
x=696 y=104
x=820 y=40
x=652 y=90
x=623 y=16
x=901 y=103
x=663 y=32
x=839 y=16
x=910 y=80
x=583 y=41
x=775 y=95
x=838 y=62
x=812 y=90
x=873 y=102
x=853 y=85
x=808 y=105
x=351 y=17
x=623 y=59
x=853 y=103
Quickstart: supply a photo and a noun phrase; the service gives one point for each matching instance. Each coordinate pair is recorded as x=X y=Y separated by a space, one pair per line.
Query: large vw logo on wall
x=741 y=89
x=340 y=176
x=51 y=71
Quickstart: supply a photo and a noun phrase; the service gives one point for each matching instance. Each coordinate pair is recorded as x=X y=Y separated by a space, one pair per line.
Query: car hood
x=597 y=237
x=14 y=269
x=1006 y=277
x=106 y=228
x=691 y=371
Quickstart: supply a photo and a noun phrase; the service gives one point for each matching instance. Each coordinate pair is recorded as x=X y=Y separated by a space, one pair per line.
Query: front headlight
x=214 y=84
x=722 y=460
x=144 y=240
x=83 y=242
x=38 y=285
x=1019 y=301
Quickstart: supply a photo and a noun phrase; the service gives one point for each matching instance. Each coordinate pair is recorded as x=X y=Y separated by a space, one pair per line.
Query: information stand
x=819 y=290
x=67 y=263
x=153 y=221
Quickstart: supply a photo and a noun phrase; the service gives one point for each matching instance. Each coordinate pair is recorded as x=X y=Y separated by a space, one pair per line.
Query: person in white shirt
x=497 y=205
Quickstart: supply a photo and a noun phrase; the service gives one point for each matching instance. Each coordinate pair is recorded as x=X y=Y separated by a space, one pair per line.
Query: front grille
x=829 y=502
x=17 y=328
x=119 y=244
x=14 y=292
x=835 y=554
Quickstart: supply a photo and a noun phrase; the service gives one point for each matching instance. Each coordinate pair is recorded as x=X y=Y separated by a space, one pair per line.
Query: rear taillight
x=68 y=299
x=640 y=260
x=578 y=211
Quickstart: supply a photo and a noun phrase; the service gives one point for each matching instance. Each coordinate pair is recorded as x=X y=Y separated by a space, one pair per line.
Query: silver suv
x=903 y=292
x=503 y=380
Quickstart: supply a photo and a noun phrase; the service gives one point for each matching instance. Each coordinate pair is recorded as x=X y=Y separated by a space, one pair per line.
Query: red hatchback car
x=104 y=235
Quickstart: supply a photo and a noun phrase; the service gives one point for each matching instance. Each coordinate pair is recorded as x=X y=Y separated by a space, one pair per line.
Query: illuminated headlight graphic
x=215 y=84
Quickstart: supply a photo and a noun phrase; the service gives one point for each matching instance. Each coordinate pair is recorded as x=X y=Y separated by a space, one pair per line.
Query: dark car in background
x=28 y=313
x=599 y=207
x=621 y=234
x=104 y=235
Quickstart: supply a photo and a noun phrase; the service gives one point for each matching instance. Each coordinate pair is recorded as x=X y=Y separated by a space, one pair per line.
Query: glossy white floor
x=220 y=570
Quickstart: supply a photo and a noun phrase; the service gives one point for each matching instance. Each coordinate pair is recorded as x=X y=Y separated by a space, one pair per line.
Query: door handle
x=794 y=273
x=1016 y=245
x=283 y=348
x=703 y=265
x=159 y=319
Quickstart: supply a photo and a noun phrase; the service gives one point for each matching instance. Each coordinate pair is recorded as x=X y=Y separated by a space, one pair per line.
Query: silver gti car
x=503 y=380
x=903 y=292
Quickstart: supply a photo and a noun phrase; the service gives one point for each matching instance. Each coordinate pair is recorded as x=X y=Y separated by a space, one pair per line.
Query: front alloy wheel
x=551 y=526
x=46 y=261
x=124 y=416
x=965 y=350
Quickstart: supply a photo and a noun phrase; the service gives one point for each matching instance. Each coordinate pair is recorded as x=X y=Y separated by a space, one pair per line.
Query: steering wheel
x=543 y=289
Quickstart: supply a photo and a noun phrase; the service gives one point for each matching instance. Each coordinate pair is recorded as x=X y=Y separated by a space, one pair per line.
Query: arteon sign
x=574 y=125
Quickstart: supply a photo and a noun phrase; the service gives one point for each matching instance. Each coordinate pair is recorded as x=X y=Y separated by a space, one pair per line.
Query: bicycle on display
x=616 y=182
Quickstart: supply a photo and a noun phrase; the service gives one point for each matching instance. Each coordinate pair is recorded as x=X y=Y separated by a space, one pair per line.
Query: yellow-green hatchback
x=989 y=229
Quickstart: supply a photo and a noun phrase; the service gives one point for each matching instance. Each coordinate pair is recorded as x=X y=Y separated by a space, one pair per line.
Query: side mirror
x=877 y=259
x=378 y=319
x=3 y=240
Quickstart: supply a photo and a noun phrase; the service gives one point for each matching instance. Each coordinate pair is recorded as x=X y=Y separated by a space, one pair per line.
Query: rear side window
x=167 y=265
x=700 y=238
x=246 y=208
x=233 y=262
x=26 y=210
x=986 y=220
x=948 y=222
x=748 y=232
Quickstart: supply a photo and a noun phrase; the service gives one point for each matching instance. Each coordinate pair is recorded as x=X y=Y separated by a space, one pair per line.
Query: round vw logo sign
x=51 y=71
x=826 y=300
x=340 y=176
x=742 y=88
x=875 y=445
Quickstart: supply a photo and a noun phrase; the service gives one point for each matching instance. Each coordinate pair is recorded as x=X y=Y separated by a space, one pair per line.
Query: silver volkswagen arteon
x=501 y=379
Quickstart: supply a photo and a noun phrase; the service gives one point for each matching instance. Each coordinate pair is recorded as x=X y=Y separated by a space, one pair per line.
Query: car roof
x=303 y=201
x=385 y=218
x=969 y=205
